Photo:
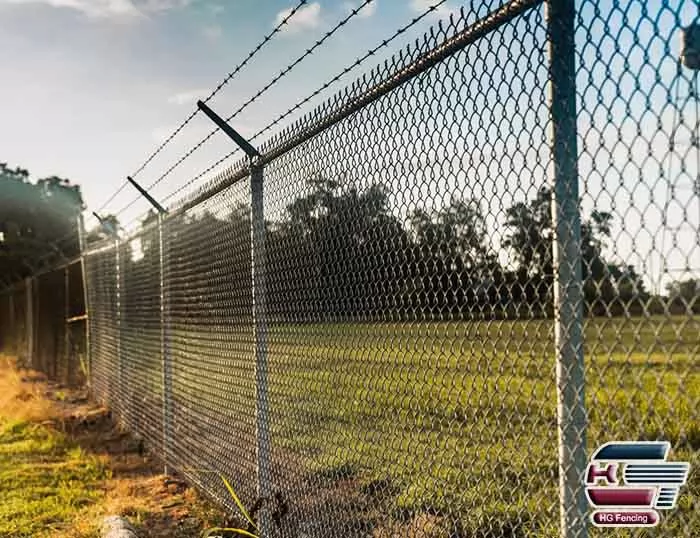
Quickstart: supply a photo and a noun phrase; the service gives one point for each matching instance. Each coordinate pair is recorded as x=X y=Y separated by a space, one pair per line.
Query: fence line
x=425 y=304
x=43 y=323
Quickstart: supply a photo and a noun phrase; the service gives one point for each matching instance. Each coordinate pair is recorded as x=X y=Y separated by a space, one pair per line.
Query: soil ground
x=64 y=465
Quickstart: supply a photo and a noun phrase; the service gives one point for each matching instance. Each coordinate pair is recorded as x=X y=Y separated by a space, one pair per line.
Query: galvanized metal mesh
x=13 y=330
x=43 y=324
x=433 y=297
x=101 y=272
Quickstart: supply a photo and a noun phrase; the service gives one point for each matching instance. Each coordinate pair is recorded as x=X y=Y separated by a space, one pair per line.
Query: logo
x=649 y=483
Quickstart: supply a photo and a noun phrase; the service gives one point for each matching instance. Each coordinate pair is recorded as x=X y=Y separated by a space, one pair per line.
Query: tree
x=208 y=264
x=38 y=221
x=454 y=264
x=338 y=253
x=531 y=233
x=530 y=239
x=684 y=295
x=629 y=293
x=608 y=288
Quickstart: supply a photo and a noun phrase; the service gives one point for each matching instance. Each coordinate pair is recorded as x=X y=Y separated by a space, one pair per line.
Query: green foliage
x=38 y=221
x=684 y=295
x=353 y=258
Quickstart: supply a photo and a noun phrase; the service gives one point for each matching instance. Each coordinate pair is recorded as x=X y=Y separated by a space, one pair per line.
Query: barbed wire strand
x=359 y=61
x=213 y=93
x=265 y=88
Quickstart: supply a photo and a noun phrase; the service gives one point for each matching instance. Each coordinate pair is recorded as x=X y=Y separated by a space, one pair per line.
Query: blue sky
x=90 y=87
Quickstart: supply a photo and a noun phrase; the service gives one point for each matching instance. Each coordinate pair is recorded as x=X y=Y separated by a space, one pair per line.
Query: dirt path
x=66 y=465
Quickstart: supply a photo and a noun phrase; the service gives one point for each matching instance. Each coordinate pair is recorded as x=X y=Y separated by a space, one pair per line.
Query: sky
x=89 y=88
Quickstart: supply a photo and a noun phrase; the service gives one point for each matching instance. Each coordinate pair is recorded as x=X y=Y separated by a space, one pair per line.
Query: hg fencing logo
x=650 y=483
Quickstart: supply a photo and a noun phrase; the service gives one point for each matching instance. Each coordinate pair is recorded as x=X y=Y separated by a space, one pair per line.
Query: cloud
x=306 y=18
x=442 y=12
x=164 y=5
x=212 y=32
x=91 y=8
x=187 y=97
x=366 y=12
x=109 y=9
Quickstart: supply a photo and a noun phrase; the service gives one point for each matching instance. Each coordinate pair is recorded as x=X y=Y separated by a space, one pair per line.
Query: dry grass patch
x=64 y=465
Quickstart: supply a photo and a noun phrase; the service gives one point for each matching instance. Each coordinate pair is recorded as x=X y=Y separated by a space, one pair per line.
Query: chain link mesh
x=445 y=321
x=43 y=324
x=13 y=330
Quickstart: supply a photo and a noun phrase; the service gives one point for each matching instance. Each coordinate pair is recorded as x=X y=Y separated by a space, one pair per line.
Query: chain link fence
x=43 y=324
x=428 y=301
x=13 y=330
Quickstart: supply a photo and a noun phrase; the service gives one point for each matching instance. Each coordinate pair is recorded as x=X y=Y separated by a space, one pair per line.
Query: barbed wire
x=358 y=62
x=265 y=88
x=112 y=197
x=213 y=93
x=203 y=173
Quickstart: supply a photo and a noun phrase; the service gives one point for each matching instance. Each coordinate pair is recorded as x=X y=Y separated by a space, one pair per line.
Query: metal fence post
x=164 y=347
x=259 y=291
x=86 y=306
x=568 y=286
x=116 y=401
x=29 y=329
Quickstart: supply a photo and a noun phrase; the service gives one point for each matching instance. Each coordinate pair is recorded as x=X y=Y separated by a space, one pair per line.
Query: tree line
x=38 y=222
x=339 y=253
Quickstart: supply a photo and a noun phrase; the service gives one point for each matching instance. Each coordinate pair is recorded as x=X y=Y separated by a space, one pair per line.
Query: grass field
x=46 y=478
x=429 y=429
x=458 y=421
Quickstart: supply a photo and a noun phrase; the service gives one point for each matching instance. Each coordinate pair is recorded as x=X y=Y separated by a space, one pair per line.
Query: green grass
x=459 y=419
x=45 y=479
x=454 y=420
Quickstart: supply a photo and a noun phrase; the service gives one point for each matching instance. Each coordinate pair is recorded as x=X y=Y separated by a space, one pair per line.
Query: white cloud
x=163 y=5
x=212 y=32
x=187 y=97
x=367 y=10
x=306 y=18
x=442 y=12
x=114 y=9
x=91 y=8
